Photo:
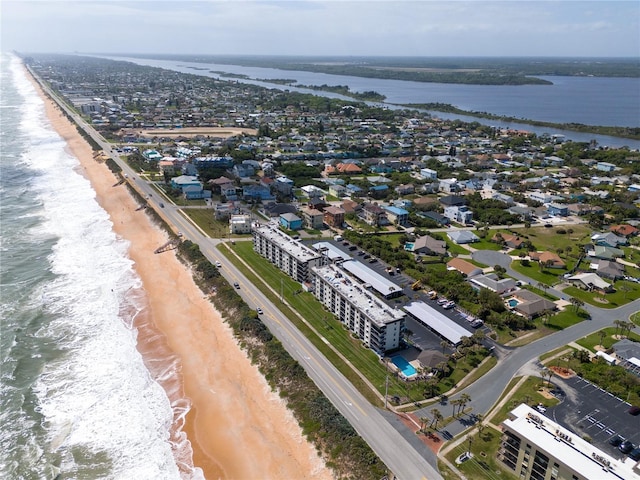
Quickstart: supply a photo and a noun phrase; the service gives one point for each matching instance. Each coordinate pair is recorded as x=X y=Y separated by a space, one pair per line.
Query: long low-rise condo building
x=378 y=325
x=537 y=448
x=372 y=279
x=289 y=255
x=436 y=321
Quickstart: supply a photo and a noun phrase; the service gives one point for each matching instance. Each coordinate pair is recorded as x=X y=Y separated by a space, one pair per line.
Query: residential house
x=608 y=239
x=407 y=189
x=435 y=216
x=511 y=241
x=179 y=183
x=284 y=186
x=557 y=210
x=350 y=206
x=605 y=167
x=256 y=193
x=465 y=268
x=459 y=214
x=374 y=215
x=590 y=281
x=242 y=170
x=195 y=192
x=397 y=215
x=426 y=245
x=605 y=253
x=531 y=304
x=240 y=224
x=494 y=283
x=453 y=201
x=217 y=184
x=462 y=236
x=334 y=216
x=627 y=350
x=525 y=213
x=338 y=191
x=354 y=190
x=223 y=210
x=449 y=185
x=624 y=230
x=290 y=221
x=548 y=259
x=312 y=218
x=609 y=269
x=378 y=191
x=428 y=174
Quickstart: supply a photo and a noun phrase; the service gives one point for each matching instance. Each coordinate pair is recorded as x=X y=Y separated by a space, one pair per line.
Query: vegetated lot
x=366 y=361
x=608 y=339
x=624 y=293
x=203 y=217
x=537 y=272
x=529 y=393
x=551 y=238
x=484 y=463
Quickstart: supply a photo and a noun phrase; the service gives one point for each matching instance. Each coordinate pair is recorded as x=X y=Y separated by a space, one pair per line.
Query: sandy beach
x=237 y=427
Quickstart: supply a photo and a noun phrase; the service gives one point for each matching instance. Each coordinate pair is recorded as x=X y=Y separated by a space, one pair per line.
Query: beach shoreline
x=237 y=427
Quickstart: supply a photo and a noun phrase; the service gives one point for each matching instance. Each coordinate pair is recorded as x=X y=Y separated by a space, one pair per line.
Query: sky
x=549 y=28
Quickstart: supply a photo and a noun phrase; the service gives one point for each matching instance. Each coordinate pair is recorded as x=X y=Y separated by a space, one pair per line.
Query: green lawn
x=617 y=298
x=592 y=340
x=547 y=276
x=635 y=318
x=484 y=464
x=203 y=217
x=631 y=255
x=549 y=238
x=557 y=351
x=527 y=393
x=455 y=248
x=486 y=244
x=564 y=319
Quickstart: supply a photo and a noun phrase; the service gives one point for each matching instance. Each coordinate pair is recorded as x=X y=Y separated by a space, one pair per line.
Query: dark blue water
x=585 y=100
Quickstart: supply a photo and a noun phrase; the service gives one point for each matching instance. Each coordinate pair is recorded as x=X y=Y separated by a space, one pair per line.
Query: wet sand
x=237 y=427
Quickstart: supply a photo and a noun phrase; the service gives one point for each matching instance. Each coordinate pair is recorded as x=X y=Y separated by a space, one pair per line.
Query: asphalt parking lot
x=422 y=337
x=589 y=410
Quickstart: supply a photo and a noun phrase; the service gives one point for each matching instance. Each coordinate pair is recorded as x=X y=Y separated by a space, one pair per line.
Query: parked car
x=635 y=411
x=626 y=446
x=477 y=323
x=449 y=305
x=635 y=454
x=616 y=441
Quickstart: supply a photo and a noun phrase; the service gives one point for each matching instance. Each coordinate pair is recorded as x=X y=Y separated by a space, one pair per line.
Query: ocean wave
x=103 y=413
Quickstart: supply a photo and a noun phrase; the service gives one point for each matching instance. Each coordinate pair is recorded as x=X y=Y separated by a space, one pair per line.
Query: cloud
x=427 y=27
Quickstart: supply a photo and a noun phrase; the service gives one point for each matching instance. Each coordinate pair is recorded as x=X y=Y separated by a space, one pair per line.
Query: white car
x=218 y=264
x=259 y=310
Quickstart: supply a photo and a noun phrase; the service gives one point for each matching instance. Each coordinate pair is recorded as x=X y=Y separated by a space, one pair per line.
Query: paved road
x=518 y=361
x=394 y=450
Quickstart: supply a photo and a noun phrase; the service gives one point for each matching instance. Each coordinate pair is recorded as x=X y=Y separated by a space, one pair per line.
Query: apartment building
x=289 y=255
x=376 y=324
x=536 y=448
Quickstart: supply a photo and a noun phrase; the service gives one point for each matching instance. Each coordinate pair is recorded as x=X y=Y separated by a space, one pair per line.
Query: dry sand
x=237 y=427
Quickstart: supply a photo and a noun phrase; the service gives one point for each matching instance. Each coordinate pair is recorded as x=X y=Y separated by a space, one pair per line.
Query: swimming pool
x=513 y=303
x=405 y=367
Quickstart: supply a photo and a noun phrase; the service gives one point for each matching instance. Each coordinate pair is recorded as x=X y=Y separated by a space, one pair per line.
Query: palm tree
x=444 y=344
x=603 y=334
x=625 y=289
x=454 y=403
x=423 y=423
x=479 y=425
x=464 y=400
x=437 y=416
x=577 y=303
x=618 y=324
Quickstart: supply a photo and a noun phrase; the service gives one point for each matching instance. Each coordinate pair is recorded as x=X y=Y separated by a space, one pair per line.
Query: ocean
x=77 y=398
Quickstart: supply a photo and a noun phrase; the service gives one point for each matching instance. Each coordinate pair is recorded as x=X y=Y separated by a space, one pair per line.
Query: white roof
x=379 y=283
x=634 y=361
x=438 y=322
x=332 y=252
x=568 y=447
x=590 y=278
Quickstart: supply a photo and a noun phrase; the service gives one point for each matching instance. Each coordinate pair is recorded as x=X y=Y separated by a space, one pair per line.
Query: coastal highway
x=399 y=456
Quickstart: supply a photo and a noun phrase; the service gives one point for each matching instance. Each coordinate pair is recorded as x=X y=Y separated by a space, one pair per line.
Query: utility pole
x=281 y=290
x=386 y=390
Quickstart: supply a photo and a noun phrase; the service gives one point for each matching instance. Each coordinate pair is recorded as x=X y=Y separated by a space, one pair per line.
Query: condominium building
x=376 y=324
x=289 y=255
x=534 y=447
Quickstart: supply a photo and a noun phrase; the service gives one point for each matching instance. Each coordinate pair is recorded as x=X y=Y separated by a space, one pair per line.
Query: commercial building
x=376 y=324
x=289 y=255
x=534 y=447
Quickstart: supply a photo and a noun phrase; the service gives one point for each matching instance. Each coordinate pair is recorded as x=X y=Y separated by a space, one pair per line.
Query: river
x=585 y=100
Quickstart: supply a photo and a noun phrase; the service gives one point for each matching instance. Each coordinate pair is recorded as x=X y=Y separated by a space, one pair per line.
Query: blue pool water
x=408 y=246
x=513 y=302
x=405 y=367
